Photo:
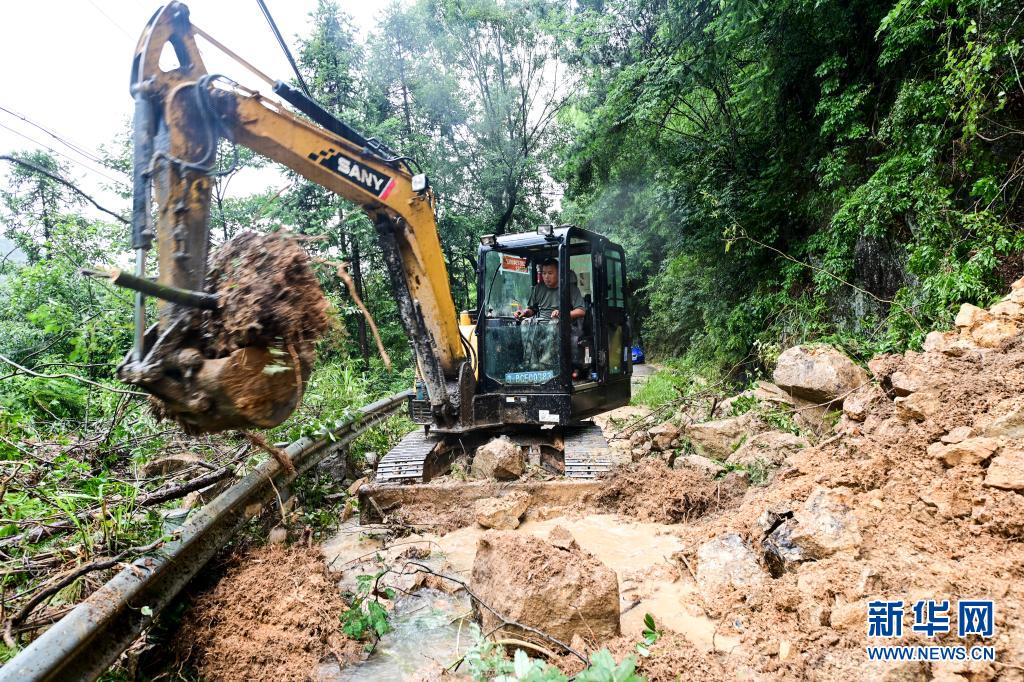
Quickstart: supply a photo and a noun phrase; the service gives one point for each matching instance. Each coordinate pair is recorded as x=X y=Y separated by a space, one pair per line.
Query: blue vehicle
x=638 y=355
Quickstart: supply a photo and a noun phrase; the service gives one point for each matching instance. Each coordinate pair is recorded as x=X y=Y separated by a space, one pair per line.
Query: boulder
x=921 y=405
x=559 y=589
x=970 y=315
x=1005 y=420
x=1006 y=471
x=858 y=404
x=823 y=526
x=717 y=439
x=994 y=332
x=910 y=381
x=727 y=563
x=968 y=451
x=771 y=447
x=500 y=459
x=663 y=435
x=958 y=435
x=818 y=373
x=1007 y=308
x=703 y=465
x=502 y=513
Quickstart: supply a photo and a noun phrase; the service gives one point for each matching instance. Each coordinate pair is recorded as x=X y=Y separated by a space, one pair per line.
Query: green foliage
x=366 y=617
x=650 y=634
x=795 y=171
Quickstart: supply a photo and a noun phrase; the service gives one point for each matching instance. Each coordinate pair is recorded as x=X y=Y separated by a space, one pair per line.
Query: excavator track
x=587 y=454
x=420 y=456
x=408 y=462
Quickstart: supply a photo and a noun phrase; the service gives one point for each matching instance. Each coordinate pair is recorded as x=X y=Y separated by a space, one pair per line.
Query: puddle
x=429 y=630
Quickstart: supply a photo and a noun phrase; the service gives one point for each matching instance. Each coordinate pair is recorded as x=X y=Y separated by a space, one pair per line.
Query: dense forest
x=778 y=172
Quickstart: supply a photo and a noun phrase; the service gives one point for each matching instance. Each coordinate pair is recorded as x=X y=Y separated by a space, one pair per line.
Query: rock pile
x=918 y=493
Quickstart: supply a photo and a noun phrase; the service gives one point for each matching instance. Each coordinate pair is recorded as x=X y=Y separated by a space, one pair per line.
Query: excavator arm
x=181 y=114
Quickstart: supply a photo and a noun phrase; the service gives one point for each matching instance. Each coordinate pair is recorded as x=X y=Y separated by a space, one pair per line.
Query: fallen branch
x=178 y=491
x=192 y=299
x=280 y=455
x=26 y=370
x=42 y=171
x=62 y=582
x=45 y=531
x=342 y=268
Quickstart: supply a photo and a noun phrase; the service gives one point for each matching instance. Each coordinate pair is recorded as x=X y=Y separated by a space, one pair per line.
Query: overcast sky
x=65 y=65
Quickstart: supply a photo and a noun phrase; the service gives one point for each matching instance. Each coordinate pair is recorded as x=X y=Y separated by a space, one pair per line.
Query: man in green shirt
x=541 y=340
x=544 y=297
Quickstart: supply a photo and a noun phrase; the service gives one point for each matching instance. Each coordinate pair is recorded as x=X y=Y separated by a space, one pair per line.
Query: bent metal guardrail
x=89 y=639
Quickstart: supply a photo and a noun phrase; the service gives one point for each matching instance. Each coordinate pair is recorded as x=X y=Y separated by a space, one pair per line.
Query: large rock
x=717 y=439
x=557 y=588
x=967 y=451
x=727 y=563
x=994 y=332
x=921 y=405
x=702 y=465
x=823 y=526
x=1006 y=471
x=771 y=447
x=502 y=513
x=1005 y=420
x=858 y=404
x=970 y=315
x=663 y=436
x=500 y=459
x=818 y=373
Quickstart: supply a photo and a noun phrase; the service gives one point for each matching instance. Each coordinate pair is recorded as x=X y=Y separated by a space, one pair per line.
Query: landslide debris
x=273 y=615
x=268 y=294
x=916 y=494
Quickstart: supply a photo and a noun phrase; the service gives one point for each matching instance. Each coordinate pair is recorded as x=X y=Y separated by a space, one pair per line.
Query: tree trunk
x=357 y=277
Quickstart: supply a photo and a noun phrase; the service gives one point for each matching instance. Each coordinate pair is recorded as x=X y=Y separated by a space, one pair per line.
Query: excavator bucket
x=245 y=362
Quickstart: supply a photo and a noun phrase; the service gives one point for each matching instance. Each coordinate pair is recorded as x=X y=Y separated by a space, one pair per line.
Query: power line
x=118 y=26
x=58 y=153
x=92 y=156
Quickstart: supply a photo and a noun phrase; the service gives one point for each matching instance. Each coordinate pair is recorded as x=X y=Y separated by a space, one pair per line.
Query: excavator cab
x=550 y=369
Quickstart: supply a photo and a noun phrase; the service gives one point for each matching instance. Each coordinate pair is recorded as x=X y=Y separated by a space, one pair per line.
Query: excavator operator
x=544 y=297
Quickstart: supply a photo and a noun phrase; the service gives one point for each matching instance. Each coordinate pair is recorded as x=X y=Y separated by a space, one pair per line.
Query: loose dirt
x=269 y=295
x=275 y=614
x=650 y=491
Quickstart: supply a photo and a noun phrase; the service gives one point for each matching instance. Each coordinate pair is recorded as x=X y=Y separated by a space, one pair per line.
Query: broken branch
x=342 y=268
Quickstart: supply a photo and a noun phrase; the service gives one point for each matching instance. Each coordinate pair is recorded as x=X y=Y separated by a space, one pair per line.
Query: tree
x=35 y=204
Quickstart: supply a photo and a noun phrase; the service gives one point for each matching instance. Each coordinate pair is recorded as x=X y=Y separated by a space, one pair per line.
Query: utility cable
x=58 y=153
x=284 y=47
x=91 y=156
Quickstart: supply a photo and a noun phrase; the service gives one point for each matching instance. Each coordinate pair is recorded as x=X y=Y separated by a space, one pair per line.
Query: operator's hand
x=554 y=314
x=520 y=314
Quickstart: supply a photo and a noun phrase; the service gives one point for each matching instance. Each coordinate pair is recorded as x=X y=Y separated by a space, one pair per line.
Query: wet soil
x=275 y=613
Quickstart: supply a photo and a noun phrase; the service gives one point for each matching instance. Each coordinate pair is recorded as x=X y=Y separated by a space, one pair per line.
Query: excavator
x=479 y=373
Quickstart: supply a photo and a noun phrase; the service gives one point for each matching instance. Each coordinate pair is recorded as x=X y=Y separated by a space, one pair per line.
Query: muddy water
x=650 y=581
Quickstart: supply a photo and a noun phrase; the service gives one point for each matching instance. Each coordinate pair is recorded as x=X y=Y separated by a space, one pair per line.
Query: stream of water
x=429 y=627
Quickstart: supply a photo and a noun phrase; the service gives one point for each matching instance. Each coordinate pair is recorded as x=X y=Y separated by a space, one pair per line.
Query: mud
x=274 y=614
x=649 y=491
x=268 y=294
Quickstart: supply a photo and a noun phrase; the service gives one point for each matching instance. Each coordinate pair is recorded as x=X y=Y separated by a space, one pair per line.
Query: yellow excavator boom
x=180 y=116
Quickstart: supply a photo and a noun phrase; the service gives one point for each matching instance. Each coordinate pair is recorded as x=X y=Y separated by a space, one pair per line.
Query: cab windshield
x=519 y=352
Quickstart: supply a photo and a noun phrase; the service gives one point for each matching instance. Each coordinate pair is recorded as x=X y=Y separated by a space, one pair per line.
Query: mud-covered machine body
x=478 y=372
